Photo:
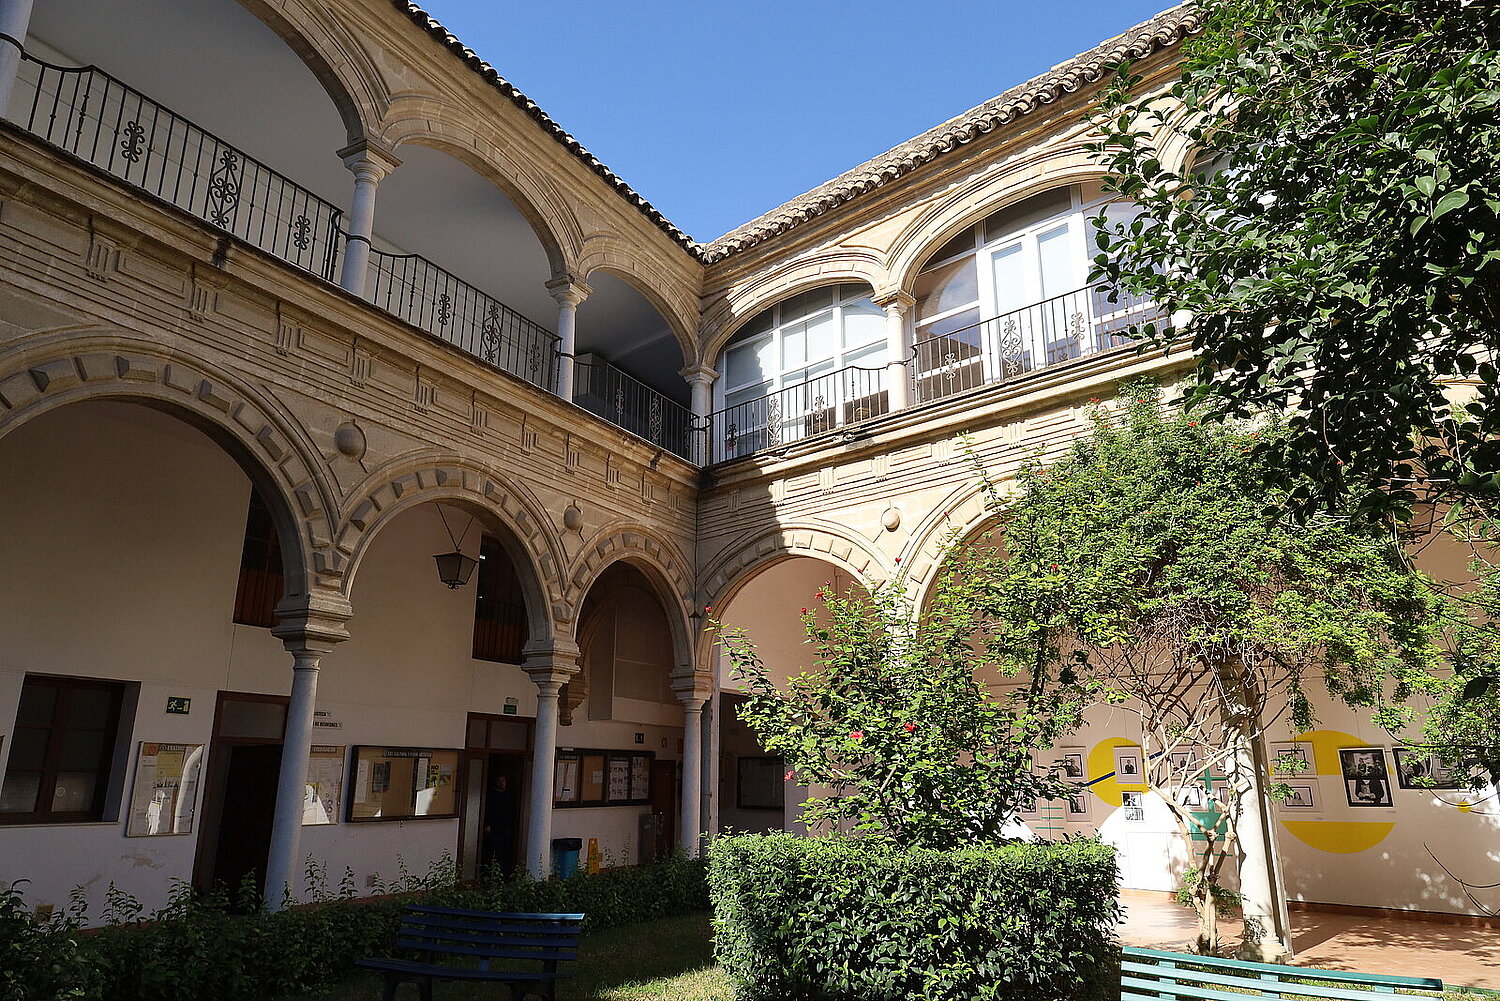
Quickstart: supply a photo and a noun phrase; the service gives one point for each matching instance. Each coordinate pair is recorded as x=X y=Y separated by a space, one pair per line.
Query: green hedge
x=197 y=947
x=844 y=919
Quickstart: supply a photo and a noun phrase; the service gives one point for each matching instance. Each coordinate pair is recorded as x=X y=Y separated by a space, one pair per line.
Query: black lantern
x=455 y=569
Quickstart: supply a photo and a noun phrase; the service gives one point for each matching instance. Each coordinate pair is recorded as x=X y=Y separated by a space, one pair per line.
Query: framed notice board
x=404 y=783
x=588 y=777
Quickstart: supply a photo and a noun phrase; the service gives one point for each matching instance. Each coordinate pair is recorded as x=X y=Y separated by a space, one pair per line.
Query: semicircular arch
x=745 y=556
x=76 y=365
x=440 y=477
x=658 y=561
x=962 y=514
x=674 y=300
x=423 y=120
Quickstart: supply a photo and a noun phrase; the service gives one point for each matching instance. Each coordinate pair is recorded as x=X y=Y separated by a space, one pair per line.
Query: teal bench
x=1148 y=974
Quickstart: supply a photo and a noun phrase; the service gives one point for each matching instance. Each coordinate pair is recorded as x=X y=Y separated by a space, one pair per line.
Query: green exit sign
x=179 y=705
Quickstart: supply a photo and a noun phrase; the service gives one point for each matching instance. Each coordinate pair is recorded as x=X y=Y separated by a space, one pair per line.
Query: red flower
x=1093 y=399
x=856 y=735
x=1054 y=566
x=911 y=728
x=1192 y=424
x=804 y=611
x=790 y=775
x=898 y=559
x=708 y=609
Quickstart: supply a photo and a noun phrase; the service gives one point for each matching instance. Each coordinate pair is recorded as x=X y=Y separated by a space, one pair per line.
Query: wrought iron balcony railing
x=809 y=408
x=625 y=401
x=95 y=117
x=1082 y=322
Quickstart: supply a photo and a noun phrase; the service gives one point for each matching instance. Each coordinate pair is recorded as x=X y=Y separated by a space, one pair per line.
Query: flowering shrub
x=855 y=919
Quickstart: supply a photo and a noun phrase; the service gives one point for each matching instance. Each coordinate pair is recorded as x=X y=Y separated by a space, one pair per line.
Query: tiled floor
x=1460 y=955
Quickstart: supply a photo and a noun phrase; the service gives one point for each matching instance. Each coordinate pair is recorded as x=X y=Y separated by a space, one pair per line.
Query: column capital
x=894 y=300
x=369 y=160
x=699 y=373
x=312 y=623
x=692 y=690
x=569 y=290
x=550 y=663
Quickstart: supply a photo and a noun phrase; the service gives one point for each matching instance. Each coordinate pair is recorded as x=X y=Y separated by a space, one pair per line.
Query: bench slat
x=1278 y=988
x=495 y=915
x=1340 y=976
x=434 y=927
x=484 y=941
x=486 y=952
x=456 y=972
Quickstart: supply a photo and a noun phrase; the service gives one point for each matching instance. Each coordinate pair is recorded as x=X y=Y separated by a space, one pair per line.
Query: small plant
x=1226 y=901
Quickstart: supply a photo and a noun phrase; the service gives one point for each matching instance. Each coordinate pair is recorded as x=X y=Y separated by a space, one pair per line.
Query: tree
x=1334 y=247
x=1145 y=574
x=895 y=718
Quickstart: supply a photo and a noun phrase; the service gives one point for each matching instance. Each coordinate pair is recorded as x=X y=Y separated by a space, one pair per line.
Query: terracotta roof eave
x=1162 y=31
x=433 y=27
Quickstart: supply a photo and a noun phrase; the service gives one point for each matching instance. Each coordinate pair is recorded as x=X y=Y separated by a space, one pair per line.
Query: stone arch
x=525 y=530
x=335 y=57
x=659 y=562
x=964 y=512
x=72 y=366
x=746 y=556
x=742 y=303
x=676 y=300
x=982 y=196
x=437 y=124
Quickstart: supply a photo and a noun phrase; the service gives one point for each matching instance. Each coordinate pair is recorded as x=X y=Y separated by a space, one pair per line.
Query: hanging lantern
x=455 y=569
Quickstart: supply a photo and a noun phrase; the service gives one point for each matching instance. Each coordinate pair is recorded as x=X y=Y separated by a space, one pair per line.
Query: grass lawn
x=667 y=960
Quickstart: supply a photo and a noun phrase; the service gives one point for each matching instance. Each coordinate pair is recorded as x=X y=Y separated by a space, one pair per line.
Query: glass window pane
x=948 y=287
x=949 y=324
x=798 y=307
x=870 y=357
x=263 y=720
x=761 y=324
x=81 y=749
x=74 y=791
x=1058 y=265
x=793 y=345
x=747 y=394
x=89 y=708
x=29 y=749
x=822 y=336
x=864 y=322
x=1012 y=291
x=1027 y=212
x=961 y=243
x=19 y=793
x=749 y=363
x=476 y=733
x=38 y=699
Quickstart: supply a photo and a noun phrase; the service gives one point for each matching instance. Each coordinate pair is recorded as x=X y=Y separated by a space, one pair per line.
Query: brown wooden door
x=244 y=838
x=664 y=805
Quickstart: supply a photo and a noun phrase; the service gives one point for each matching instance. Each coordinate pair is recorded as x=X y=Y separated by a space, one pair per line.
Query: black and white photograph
x=1185 y=762
x=1128 y=764
x=1134 y=803
x=1072 y=763
x=1366 y=781
x=1290 y=757
x=1303 y=795
x=1193 y=796
x=1078 y=805
x=1418 y=768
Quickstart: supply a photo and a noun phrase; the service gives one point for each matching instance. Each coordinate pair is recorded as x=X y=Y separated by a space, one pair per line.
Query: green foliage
x=895 y=716
x=1463 y=719
x=199 y=945
x=851 y=919
x=1338 y=244
x=1225 y=900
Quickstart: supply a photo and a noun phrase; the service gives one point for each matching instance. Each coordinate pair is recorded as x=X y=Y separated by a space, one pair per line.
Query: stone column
x=569 y=293
x=369 y=164
x=897 y=380
x=15 y=18
x=549 y=667
x=692 y=692
x=310 y=626
x=700 y=378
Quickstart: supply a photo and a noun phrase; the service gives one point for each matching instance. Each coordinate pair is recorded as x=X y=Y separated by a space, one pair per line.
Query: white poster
x=325 y=785
x=165 y=793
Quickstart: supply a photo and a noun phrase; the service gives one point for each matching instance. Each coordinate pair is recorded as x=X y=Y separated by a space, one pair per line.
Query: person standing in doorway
x=498 y=846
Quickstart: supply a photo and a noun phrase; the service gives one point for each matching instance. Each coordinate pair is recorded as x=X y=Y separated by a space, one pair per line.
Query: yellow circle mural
x=1339 y=837
x=1102 y=762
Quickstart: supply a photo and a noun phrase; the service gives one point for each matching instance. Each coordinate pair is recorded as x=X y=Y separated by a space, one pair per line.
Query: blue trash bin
x=565 y=856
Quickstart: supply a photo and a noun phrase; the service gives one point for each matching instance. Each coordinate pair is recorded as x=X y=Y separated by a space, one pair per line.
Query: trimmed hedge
x=197 y=948
x=846 y=919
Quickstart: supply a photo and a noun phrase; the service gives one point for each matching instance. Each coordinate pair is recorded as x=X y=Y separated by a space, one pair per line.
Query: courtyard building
x=373 y=459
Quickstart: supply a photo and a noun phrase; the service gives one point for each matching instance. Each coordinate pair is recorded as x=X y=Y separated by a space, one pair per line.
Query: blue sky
x=719 y=110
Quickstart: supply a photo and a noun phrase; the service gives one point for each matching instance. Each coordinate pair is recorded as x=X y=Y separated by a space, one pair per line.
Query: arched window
x=802 y=367
x=1008 y=295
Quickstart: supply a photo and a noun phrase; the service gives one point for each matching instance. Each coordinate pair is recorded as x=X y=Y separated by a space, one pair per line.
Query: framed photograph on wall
x=1366 y=781
x=1417 y=768
x=759 y=782
x=1303 y=796
x=1128 y=764
x=1079 y=806
x=1134 y=803
x=1290 y=757
x=1072 y=762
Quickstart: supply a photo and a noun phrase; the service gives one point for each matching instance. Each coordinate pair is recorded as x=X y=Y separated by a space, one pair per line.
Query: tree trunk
x=1207 y=943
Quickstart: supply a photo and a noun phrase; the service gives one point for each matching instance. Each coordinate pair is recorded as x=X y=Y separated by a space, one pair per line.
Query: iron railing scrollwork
x=626 y=402
x=816 y=406
x=119 y=130
x=1082 y=322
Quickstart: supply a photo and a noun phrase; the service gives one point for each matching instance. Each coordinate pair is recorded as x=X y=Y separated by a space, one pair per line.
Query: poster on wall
x=1134 y=803
x=1290 y=757
x=1420 y=769
x=565 y=778
x=1128 y=764
x=325 y=785
x=640 y=777
x=404 y=783
x=1072 y=762
x=1366 y=781
x=619 y=779
x=1078 y=805
x=165 y=792
x=1303 y=795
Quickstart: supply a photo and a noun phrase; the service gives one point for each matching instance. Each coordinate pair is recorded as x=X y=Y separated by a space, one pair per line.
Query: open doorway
x=244 y=765
x=494 y=804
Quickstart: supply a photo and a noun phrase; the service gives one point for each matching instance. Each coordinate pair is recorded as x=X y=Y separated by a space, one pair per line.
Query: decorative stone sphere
x=349 y=440
x=572 y=518
x=891 y=519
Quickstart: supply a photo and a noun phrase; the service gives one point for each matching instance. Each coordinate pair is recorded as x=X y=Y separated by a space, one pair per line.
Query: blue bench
x=461 y=945
x=1148 y=974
